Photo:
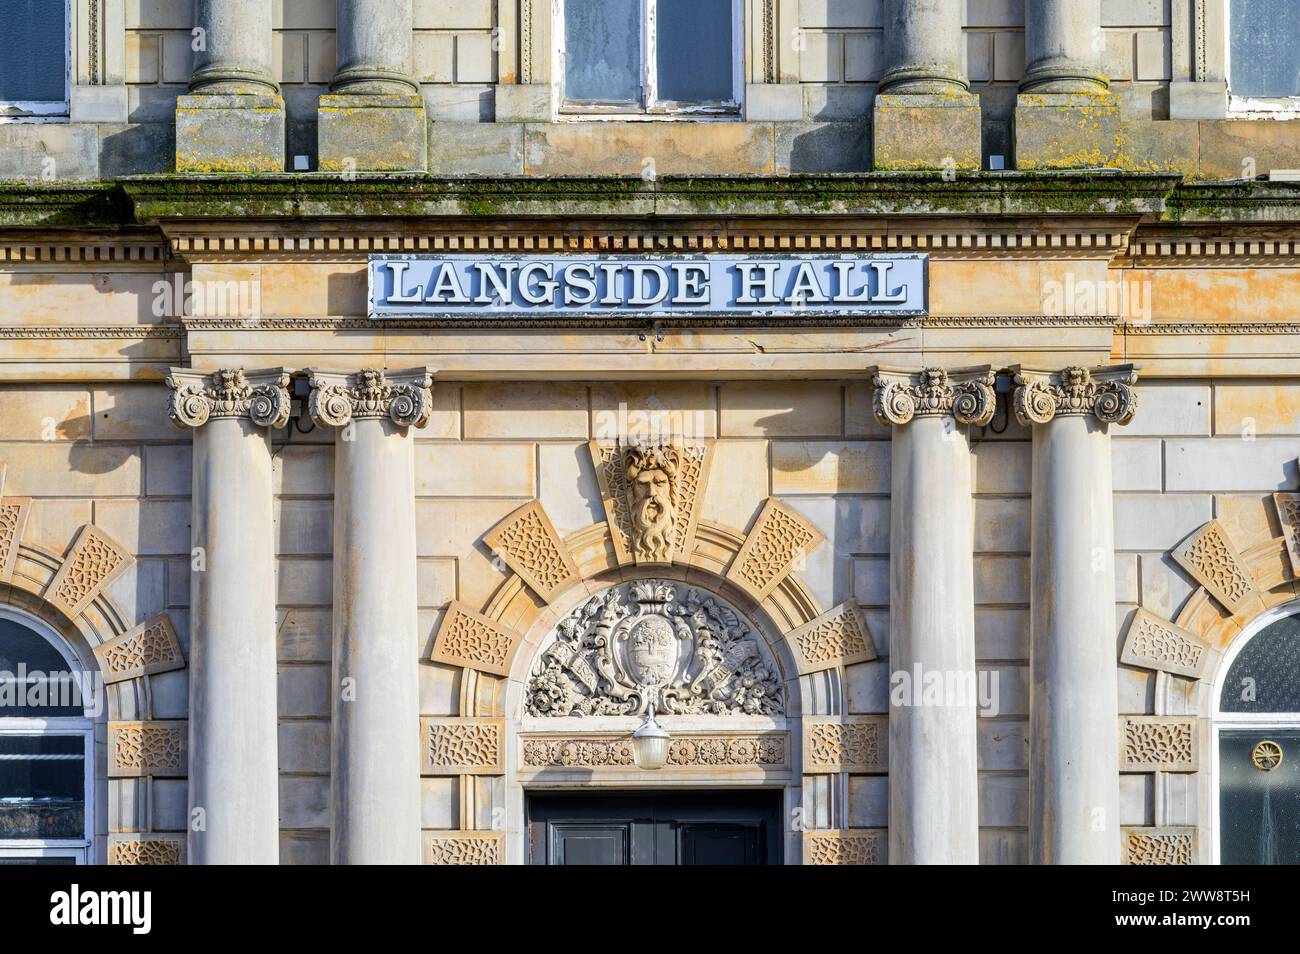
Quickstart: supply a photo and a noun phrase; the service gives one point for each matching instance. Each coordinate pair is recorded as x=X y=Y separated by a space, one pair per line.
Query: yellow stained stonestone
x=33 y=413
x=637 y=410
x=1249 y=519
x=622 y=148
x=1264 y=407
x=314 y=289
x=739 y=483
x=446 y=469
x=72 y=469
x=87 y=298
x=1222 y=294
x=525 y=409
x=782 y=409
x=830 y=467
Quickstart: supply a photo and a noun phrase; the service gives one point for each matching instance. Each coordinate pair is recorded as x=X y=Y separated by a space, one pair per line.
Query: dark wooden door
x=634 y=828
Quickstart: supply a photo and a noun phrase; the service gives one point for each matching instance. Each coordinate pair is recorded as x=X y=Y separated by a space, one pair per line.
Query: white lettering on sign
x=792 y=286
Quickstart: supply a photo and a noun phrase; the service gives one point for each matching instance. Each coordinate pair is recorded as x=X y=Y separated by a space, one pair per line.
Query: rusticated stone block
x=470 y=639
x=838 y=637
x=845 y=744
x=779 y=541
x=526 y=540
x=926 y=131
x=149 y=648
x=1158 y=743
x=13 y=519
x=372 y=133
x=463 y=847
x=94 y=561
x=138 y=749
x=1067 y=131
x=241 y=132
x=1159 y=846
x=146 y=850
x=1210 y=556
x=451 y=746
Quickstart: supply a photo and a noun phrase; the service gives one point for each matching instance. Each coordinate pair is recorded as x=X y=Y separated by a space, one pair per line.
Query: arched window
x=1257 y=744
x=46 y=747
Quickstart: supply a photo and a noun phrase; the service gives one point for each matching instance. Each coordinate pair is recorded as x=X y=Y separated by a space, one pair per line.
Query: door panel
x=1259 y=796
x=688 y=828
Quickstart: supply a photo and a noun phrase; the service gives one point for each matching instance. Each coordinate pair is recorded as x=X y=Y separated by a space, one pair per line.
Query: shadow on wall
x=833 y=147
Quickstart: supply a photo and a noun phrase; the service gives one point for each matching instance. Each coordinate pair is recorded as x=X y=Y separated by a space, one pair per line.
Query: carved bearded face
x=650 y=476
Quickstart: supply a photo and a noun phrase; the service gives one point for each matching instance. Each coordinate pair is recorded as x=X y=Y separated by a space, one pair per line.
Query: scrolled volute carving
x=261 y=396
x=404 y=397
x=966 y=396
x=1109 y=394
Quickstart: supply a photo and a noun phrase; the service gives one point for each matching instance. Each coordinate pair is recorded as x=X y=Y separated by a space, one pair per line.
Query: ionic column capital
x=1108 y=393
x=200 y=396
x=965 y=395
x=405 y=397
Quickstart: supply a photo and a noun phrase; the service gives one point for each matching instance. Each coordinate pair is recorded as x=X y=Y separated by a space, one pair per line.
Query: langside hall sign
x=764 y=288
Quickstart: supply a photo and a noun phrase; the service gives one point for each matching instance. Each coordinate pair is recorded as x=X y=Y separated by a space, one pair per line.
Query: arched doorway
x=1257 y=743
x=46 y=746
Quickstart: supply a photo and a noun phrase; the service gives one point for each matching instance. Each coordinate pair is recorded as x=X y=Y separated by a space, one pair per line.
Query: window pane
x=42 y=786
x=34 y=678
x=693 y=50
x=1265 y=39
x=1259 y=801
x=32 y=50
x=602 y=50
x=1265 y=676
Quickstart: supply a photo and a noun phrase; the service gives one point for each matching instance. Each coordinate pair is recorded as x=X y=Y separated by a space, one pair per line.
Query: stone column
x=925 y=116
x=375 y=733
x=933 y=800
x=233 y=119
x=1065 y=116
x=233 y=770
x=373 y=117
x=1073 y=742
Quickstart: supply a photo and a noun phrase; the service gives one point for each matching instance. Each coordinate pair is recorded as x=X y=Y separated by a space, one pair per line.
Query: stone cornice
x=403 y=397
x=965 y=395
x=197 y=397
x=1108 y=393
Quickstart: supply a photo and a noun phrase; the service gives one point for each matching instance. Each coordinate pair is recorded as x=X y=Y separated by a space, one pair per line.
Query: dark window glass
x=693 y=50
x=33 y=50
x=1265 y=676
x=1259 y=811
x=35 y=681
x=602 y=50
x=1265 y=48
x=42 y=786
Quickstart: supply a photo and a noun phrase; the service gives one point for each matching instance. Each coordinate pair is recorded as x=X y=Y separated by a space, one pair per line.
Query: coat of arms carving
x=653 y=641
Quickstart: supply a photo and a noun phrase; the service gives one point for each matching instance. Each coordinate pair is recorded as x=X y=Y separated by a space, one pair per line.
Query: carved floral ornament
x=197 y=397
x=402 y=396
x=967 y=396
x=684 y=650
x=1109 y=394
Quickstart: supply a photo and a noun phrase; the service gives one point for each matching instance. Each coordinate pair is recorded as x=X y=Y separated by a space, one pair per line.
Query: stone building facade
x=1007 y=578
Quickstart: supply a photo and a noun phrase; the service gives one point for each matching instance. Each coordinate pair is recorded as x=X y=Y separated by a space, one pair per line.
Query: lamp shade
x=650 y=743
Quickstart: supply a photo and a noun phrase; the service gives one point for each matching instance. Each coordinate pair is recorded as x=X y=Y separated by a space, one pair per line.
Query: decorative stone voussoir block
x=526 y=540
x=13 y=520
x=1154 y=643
x=1158 y=743
x=1159 y=846
x=838 y=637
x=151 y=647
x=844 y=846
x=779 y=543
x=94 y=561
x=845 y=744
x=1067 y=130
x=463 y=847
x=372 y=133
x=926 y=131
x=451 y=746
x=138 y=749
x=1288 y=514
x=146 y=850
x=1212 y=559
x=470 y=639
x=240 y=132
x=651 y=497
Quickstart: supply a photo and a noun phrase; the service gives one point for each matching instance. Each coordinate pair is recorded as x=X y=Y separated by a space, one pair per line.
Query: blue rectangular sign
x=762 y=287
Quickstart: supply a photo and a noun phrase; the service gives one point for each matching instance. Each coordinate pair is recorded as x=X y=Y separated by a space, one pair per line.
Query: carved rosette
x=404 y=397
x=197 y=397
x=1109 y=394
x=966 y=396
